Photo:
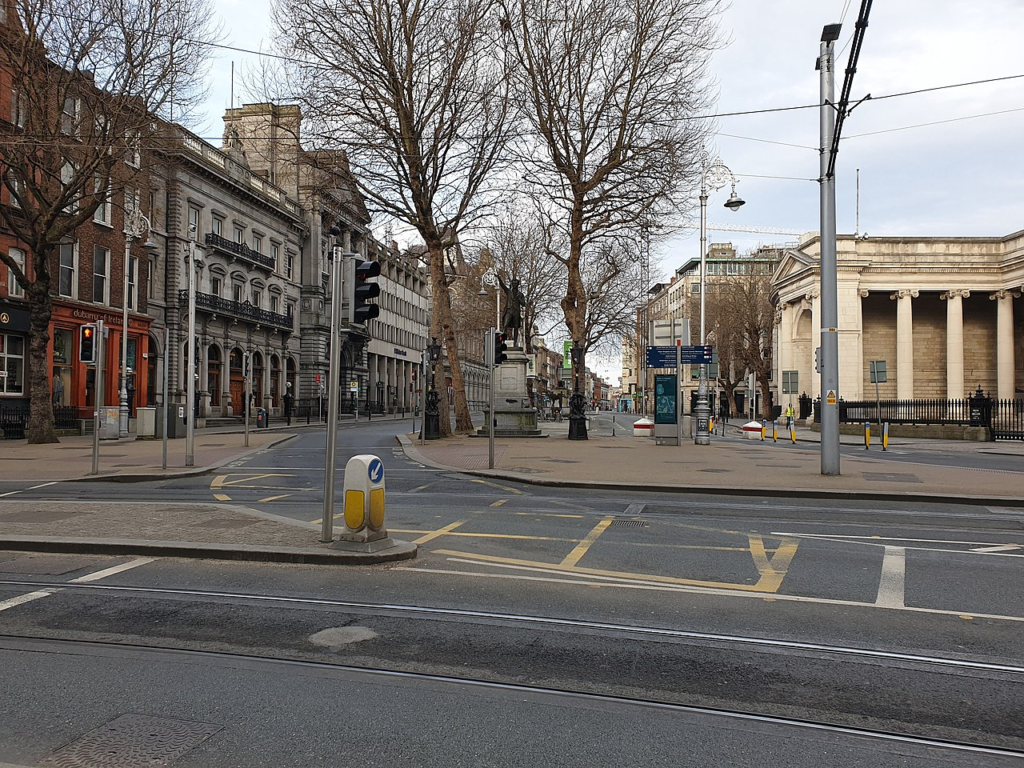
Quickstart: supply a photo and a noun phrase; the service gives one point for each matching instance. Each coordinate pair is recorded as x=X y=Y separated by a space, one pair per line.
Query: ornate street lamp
x=714 y=176
x=432 y=414
x=577 y=401
x=135 y=226
x=490 y=277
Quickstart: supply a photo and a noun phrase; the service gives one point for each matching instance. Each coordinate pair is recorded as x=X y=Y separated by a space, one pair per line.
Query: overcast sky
x=959 y=178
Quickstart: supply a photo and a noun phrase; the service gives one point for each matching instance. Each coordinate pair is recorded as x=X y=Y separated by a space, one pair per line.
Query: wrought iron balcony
x=243 y=310
x=240 y=250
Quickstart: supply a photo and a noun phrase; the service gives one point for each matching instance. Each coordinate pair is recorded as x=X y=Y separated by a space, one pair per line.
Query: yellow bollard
x=775 y=430
x=764 y=428
x=867 y=435
x=792 y=432
x=885 y=435
x=364 y=500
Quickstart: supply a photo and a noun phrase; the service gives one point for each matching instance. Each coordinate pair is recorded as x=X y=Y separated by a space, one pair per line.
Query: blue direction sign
x=665 y=356
x=375 y=471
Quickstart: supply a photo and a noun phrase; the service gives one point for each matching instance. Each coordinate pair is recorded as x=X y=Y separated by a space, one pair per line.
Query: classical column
x=1004 y=343
x=904 y=343
x=813 y=296
x=955 y=342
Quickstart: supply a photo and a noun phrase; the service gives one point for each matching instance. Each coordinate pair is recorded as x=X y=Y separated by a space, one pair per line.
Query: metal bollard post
x=885 y=436
x=867 y=435
x=775 y=430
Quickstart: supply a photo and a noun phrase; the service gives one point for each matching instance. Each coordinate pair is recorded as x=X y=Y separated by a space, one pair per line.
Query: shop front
x=14 y=326
x=74 y=382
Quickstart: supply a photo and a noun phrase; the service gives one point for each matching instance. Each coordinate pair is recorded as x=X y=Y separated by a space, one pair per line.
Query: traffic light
x=87 y=344
x=817 y=359
x=364 y=292
x=500 y=347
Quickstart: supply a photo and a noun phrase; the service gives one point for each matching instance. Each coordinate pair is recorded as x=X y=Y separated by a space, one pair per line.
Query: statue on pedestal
x=512 y=316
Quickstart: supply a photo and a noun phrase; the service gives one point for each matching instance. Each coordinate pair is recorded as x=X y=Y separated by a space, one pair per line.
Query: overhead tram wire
x=843 y=108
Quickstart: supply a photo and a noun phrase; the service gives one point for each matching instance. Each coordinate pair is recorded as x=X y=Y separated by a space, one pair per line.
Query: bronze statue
x=512 y=316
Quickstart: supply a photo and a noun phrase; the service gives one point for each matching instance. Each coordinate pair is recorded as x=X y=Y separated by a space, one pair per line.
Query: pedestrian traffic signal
x=500 y=348
x=87 y=344
x=364 y=292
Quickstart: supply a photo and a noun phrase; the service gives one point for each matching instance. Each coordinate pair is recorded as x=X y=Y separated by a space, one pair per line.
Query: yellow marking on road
x=499 y=487
x=439 y=532
x=273 y=498
x=624 y=575
x=221 y=497
x=549 y=514
x=468 y=535
x=772 y=571
x=965 y=617
x=581 y=549
x=499 y=503
x=221 y=480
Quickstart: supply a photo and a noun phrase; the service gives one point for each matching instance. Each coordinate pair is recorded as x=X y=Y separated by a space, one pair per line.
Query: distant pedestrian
x=789 y=416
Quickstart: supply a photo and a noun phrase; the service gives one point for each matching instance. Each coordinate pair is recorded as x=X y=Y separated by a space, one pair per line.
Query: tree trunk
x=441 y=327
x=40 y=424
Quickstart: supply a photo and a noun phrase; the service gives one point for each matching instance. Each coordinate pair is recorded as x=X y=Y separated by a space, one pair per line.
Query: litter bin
x=261 y=418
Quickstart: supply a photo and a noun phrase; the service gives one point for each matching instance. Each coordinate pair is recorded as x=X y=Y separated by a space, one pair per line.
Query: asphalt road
x=898 y=618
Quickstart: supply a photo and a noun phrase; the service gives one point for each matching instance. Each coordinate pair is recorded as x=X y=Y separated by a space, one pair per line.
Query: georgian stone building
x=943 y=313
x=247 y=232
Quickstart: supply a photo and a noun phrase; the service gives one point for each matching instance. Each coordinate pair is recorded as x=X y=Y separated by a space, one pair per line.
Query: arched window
x=275 y=380
x=213 y=374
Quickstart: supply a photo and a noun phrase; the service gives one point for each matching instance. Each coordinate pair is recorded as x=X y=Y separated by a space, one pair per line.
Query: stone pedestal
x=514 y=415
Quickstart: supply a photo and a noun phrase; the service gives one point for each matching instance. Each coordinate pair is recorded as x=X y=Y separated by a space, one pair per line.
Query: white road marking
x=112 y=570
x=26 y=598
x=30 y=596
x=997 y=548
x=979 y=547
x=894 y=575
x=774 y=596
x=9 y=493
x=52 y=482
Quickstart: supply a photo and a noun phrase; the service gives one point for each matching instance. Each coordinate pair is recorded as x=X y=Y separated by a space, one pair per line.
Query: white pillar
x=1005 y=389
x=813 y=295
x=904 y=344
x=955 y=342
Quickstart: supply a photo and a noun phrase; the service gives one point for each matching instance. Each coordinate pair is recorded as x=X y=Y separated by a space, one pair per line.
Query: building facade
x=943 y=314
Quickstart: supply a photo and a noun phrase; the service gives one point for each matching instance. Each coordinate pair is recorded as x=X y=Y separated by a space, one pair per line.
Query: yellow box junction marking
x=581 y=549
x=439 y=532
x=499 y=487
x=273 y=498
x=499 y=503
x=221 y=497
x=221 y=480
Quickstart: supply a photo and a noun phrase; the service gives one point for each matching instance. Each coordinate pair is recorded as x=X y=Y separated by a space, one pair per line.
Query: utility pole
x=828 y=268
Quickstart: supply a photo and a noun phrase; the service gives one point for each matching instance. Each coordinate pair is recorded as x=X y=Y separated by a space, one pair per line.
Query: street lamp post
x=135 y=226
x=714 y=176
x=490 y=277
x=432 y=414
x=192 y=262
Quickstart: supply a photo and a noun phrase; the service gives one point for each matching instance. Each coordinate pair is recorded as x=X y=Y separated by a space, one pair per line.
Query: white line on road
x=43 y=485
x=894 y=576
x=998 y=548
x=9 y=493
x=30 y=596
x=634 y=509
x=27 y=598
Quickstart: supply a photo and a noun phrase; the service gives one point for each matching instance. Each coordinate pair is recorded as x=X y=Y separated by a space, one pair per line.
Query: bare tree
x=609 y=87
x=413 y=92
x=742 y=309
x=724 y=335
x=86 y=78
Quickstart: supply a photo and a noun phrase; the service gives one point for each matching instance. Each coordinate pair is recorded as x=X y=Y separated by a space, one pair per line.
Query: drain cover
x=628 y=524
x=132 y=740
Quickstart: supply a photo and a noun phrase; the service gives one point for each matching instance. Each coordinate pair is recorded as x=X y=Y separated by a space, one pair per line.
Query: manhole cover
x=132 y=740
x=628 y=524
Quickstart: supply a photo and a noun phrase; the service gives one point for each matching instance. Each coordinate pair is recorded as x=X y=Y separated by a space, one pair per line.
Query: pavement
x=730 y=465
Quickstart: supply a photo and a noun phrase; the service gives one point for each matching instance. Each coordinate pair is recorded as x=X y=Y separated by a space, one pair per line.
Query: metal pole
x=327 y=524
x=421 y=399
x=122 y=417
x=190 y=384
x=679 y=391
x=489 y=353
x=98 y=398
x=167 y=405
x=248 y=394
x=828 y=288
x=702 y=411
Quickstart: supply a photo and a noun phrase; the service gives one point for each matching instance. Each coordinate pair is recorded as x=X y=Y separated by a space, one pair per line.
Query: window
x=18 y=109
x=215 y=286
x=18 y=256
x=67 y=179
x=102 y=215
x=257 y=298
x=236 y=292
x=275 y=254
x=218 y=225
x=151 y=283
x=133 y=282
x=257 y=243
x=15 y=188
x=193 y=222
x=66 y=280
x=291 y=265
x=100 y=282
x=239 y=235
x=273 y=304
x=133 y=155
x=69 y=117
x=12 y=363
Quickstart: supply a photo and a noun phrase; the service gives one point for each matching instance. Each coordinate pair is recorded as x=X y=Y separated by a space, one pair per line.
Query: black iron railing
x=240 y=309
x=240 y=250
x=14 y=420
x=1007 y=419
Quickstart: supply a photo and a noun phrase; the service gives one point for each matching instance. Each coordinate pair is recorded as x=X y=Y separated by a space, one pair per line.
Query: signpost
x=665 y=356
